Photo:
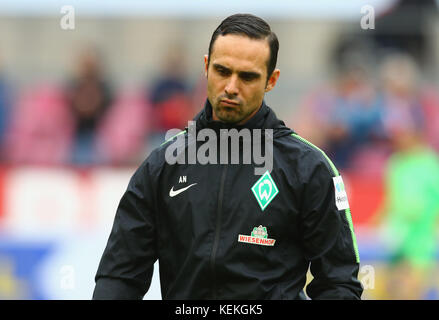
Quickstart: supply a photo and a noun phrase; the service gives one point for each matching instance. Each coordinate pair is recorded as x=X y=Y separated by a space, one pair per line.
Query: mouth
x=229 y=103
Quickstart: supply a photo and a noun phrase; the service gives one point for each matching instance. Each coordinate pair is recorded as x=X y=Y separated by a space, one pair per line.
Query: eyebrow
x=245 y=74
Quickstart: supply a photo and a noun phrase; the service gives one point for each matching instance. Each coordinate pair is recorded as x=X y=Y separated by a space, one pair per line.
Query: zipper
x=217 y=229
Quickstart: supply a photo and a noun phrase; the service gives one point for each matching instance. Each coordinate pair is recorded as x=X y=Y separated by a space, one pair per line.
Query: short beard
x=231 y=118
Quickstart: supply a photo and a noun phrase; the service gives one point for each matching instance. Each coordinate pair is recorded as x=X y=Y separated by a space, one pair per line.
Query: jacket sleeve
x=328 y=240
x=126 y=267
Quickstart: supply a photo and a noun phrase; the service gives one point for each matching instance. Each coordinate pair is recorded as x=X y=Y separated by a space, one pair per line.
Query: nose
x=232 y=86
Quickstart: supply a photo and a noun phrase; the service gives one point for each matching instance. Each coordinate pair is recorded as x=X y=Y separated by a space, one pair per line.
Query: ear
x=272 y=80
x=206 y=64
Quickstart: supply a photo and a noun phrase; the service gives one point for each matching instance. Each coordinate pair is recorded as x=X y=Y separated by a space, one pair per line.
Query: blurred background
x=87 y=90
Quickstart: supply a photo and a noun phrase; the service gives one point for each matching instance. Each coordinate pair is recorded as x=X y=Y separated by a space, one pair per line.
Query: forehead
x=241 y=53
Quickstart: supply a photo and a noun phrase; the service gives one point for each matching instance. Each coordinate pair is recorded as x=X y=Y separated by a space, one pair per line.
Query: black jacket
x=214 y=241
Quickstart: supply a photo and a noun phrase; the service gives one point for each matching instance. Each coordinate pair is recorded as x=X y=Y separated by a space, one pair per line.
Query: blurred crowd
x=363 y=114
x=368 y=112
x=87 y=121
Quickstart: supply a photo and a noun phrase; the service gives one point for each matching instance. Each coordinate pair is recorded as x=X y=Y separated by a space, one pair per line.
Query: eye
x=223 y=72
x=248 y=76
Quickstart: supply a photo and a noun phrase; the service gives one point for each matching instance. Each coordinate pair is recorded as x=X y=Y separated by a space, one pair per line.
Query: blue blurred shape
x=19 y=263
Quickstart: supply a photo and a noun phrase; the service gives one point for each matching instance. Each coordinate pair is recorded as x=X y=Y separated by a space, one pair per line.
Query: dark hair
x=252 y=27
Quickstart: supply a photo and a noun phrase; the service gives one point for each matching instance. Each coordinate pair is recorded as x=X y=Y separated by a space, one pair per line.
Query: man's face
x=237 y=77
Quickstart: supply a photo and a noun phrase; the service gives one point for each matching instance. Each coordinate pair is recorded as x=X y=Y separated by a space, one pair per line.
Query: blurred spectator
x=342 y=117
x=170 y=95
x=402 y=99
x=400 y=94
x=89 y=98
x=411 y=210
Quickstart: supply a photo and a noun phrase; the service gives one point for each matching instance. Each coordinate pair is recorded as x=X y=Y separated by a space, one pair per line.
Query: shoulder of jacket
x=156 y=160
x=313 y=155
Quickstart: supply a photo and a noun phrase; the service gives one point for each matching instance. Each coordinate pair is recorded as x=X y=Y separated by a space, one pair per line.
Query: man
x=218 y=230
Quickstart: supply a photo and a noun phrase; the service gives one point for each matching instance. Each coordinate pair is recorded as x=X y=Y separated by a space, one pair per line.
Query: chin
x=228 y=116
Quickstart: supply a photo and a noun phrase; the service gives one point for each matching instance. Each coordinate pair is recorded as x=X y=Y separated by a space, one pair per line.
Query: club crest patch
x=265 y=190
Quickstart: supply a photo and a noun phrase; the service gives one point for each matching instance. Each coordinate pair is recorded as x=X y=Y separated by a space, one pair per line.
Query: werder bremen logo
x=265 y=190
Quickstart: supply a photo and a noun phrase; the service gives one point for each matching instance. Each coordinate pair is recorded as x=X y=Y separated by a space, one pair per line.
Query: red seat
x=121 y=136
x=41 y=127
